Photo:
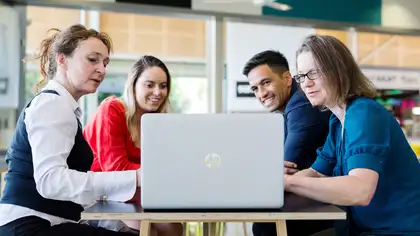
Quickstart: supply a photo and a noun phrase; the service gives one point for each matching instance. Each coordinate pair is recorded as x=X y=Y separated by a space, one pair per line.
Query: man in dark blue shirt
x=306 y=127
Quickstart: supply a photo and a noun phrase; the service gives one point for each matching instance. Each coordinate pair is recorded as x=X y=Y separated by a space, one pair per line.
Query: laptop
x=212 y=161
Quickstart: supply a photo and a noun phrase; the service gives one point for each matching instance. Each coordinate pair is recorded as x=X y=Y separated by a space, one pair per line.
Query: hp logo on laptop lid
x=212 y=160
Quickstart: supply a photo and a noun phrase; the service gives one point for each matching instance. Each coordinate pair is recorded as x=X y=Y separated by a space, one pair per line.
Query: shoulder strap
x=42 y=91
x=56 y=93
x=49 y=91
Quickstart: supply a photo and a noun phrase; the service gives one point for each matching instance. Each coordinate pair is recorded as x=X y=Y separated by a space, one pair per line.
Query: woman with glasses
x=366 y=165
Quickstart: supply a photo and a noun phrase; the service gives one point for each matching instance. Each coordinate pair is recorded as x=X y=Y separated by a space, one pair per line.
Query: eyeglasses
x=312 y=75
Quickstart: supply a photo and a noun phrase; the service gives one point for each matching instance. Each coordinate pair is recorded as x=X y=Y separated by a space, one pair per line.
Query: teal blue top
x=373 y=140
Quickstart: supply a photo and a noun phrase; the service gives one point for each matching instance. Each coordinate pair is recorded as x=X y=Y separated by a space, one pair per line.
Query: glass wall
x=180 y=43
x=40 y=20
x=389 y=60
x=188 y=91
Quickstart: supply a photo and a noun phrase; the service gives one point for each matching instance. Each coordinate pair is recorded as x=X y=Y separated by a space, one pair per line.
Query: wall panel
x=411 y=48
x=343 y=36
x=161 y=36
x=132 y=34
x=388 y=50
x=43 y=18
x=382 y=50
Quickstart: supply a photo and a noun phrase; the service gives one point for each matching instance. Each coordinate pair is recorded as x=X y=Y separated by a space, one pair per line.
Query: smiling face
x=151 y=89
x=270 y=88
x=314 y=88
x=85 y=69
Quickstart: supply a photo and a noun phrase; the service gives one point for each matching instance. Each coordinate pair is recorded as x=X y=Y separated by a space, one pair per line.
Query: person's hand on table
x=290 y=168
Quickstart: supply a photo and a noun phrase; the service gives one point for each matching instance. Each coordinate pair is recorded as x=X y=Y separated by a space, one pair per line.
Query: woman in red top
x=114 y=130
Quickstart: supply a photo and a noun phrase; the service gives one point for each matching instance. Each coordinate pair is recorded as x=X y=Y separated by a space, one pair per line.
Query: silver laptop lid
x=212 y=161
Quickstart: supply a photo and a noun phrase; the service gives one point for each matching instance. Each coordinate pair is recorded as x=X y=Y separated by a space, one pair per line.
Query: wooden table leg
x=145 y=228
x=209 y=229
x=244 y=228
x=281 y=228
x=212 y=229
x=206 y=229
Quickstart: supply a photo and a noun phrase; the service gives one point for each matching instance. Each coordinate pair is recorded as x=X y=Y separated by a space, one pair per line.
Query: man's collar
x=294 y=87
x=293 y=90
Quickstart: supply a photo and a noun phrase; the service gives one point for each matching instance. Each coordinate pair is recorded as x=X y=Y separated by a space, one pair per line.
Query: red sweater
x=108 y=136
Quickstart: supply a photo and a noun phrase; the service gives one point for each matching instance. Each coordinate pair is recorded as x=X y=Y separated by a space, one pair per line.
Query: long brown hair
x=128 y=98
x=338 y=68
x=65 y=42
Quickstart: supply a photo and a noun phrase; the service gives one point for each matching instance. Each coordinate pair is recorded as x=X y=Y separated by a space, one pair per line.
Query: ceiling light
x=267 y=3
x=278 y=6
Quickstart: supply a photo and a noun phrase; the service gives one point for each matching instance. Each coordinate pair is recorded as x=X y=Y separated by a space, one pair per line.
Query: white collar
x=60 y=89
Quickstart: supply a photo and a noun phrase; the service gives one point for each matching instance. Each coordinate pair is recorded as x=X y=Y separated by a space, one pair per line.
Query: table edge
x=216 y=216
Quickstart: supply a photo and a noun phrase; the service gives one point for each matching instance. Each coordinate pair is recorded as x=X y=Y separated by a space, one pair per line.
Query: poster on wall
x=243 y=90
x=244 y=40
x=393 y=78
x=9 y=60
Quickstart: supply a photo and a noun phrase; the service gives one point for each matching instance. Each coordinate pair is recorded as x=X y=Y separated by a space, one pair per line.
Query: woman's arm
x=309 y=173
x=356 y=189
x=107 y=135
x=367 y=146
x=51 y=127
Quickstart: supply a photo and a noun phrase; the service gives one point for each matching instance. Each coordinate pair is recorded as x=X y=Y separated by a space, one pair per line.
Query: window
x=31 y=80
x=113 y=85
x=188 y=94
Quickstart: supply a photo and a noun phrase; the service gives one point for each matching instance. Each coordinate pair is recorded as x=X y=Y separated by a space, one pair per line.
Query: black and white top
x=52 y=124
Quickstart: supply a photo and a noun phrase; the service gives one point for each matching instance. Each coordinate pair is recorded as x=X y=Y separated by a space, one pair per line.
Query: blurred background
x=205 y=44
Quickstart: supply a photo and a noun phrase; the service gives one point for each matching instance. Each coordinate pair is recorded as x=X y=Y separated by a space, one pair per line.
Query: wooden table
x=295 y=208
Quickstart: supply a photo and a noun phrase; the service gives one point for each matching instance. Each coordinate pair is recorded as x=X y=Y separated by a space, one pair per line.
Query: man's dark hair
x=274 y=59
